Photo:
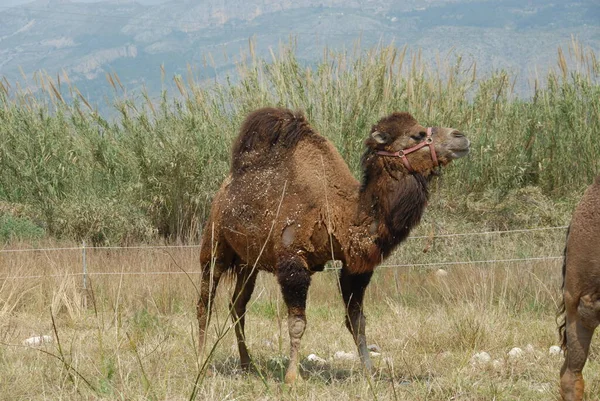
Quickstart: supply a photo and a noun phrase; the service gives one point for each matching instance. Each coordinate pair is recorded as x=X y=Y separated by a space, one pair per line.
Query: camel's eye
x=418 y=136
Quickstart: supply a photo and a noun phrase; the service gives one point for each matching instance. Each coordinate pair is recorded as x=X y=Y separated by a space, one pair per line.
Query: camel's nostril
x=458 y=134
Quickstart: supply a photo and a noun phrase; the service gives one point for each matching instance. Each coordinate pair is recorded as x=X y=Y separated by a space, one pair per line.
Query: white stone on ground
x=38 y=340
x=481 y=358
x=555 y=350
x=444 y=355
x=374 y=348
x=542 y=387
x=516 y=352
x=441 y=273
x=346 y=356
x=315 y=358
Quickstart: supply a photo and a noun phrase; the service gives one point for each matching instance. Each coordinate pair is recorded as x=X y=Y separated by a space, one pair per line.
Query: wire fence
x=79 y=248
x=423 y=265
x=149 y=247
x=84 y=274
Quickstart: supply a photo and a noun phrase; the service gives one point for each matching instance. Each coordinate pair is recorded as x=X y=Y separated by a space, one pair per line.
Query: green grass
x=152 y=171
x=13 y=229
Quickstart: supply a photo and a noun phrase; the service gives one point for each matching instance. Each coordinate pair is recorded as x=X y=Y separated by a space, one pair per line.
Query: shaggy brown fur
x=581 y=291
x=291 y=204
x=266 y=133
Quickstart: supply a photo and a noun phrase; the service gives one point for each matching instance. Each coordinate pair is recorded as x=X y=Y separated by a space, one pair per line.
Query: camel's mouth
x=458 y=153
x=456 y=145
x=459 y=147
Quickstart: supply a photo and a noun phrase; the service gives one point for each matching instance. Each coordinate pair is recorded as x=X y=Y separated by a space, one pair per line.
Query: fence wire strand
x=523 y=230
x=150 y=247
x=386 y=266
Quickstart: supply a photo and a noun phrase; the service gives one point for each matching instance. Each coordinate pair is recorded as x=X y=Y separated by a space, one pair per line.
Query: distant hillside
x=133 y=40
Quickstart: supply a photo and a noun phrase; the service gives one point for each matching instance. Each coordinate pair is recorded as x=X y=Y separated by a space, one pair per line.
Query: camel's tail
x=266 y=129
x=562 y=328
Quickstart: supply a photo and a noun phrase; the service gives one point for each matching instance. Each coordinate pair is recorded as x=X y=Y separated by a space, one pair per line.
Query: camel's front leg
x=581 y=323
x=353 y=288
x=294 y=279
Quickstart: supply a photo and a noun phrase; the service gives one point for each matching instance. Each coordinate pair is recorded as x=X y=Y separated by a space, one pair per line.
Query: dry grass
x=136 y=338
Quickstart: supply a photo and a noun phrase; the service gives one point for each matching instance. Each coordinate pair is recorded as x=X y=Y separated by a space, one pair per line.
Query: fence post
x=84 y=263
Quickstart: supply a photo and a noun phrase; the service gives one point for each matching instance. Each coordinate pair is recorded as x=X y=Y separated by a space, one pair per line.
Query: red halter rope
x=402 y=153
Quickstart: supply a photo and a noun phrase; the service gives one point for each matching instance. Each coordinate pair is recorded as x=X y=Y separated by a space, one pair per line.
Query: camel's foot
x=292 y=377
x=209 y=372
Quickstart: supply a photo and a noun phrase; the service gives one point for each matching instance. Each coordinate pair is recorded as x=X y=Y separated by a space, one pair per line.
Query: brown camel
x=290 y=205
x=581 y=291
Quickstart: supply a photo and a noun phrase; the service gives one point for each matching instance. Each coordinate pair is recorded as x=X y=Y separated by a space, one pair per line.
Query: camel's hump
x=265 y=131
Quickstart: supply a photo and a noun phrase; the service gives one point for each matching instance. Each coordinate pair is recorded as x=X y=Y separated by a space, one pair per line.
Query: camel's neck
x=391 y=204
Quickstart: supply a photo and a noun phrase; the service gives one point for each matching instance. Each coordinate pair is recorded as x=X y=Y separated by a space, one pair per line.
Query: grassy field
x=148 y=176
x=135 y=339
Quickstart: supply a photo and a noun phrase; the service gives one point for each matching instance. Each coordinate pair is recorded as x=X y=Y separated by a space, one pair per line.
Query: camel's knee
x=205 y=301
x=588 y=311
x=571 y=385
x=296 y=326
x=206 y=290
x=201 y=309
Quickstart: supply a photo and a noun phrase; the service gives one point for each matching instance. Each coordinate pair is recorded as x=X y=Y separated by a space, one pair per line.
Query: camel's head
x=408 y=145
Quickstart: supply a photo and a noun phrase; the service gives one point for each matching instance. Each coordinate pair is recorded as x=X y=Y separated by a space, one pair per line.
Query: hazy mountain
x=133 y=38
x=12 y=3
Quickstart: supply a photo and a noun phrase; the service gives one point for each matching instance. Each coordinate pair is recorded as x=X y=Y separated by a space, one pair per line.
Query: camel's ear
x=380 y=137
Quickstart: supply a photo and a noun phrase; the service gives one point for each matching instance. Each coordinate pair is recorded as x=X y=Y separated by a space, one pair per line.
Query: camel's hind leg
x=353 y=288
x=214 y=262
x=581 y=322
x=245 y=282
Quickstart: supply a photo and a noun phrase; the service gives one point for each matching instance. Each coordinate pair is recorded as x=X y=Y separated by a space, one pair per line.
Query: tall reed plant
x=152 y=170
